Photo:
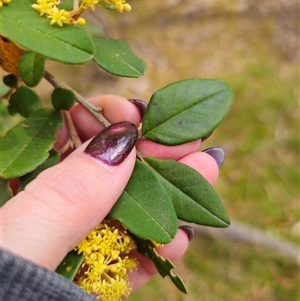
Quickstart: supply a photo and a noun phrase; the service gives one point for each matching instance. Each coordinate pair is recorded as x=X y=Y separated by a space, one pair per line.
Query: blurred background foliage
x=254 y=47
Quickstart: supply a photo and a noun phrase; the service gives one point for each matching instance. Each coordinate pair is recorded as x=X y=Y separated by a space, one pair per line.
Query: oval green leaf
x=26 y=101
x=6 y=192
x=52 y=160
x=32 y=68
x=186 y=111
x=23 y=25
x=12 y=104
x=117 y=58
x=10 y=80
x=63 y=99
x=193 y=198
x=27 y=145
x=145 y=208
x=3 y=89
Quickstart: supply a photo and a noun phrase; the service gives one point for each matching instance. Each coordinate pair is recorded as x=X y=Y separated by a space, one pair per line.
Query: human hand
x=59 y=208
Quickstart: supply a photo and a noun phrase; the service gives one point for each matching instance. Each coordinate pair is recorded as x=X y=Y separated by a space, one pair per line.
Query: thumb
x=59 y=208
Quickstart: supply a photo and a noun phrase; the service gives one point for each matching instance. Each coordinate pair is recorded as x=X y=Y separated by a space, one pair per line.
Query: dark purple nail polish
x=113 y=144
x=189 y=231
x=141 y=105
x=217 y=153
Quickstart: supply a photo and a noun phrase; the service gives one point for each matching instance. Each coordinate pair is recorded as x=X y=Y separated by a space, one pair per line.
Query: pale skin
x=59 y=208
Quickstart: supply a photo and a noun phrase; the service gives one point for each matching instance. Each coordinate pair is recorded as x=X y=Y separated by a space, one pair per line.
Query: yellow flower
x=89 y=3
x=106 y=262
x=58 y=16
x=118 y=5
x=4 y=2
x=50 y=9
x=44 y=6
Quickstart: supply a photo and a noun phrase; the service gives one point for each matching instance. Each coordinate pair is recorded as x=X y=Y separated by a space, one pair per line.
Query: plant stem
x=75 y=4
x=72 y=130
x=96 y=111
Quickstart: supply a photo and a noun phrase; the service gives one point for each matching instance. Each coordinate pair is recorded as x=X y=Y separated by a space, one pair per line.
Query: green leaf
x=51 y=161
x=67 y=5
x=63 y=99
x=164 y=266
x=3 y=89
x=12 y=104
x=93 y=29
x=26 y=101
x=23 y=25
x=116 y=57
x=145 y=208
x=27 y=145
x=10 y=80
x=186 y=111
x=32 y=68
x=5 y=191
x=193 y=198
x=70 y=265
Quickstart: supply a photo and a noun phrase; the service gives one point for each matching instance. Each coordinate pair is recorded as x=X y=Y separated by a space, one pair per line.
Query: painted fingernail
x=113 y=144
x=189 y=231
x=141 y=105
x=217 y=153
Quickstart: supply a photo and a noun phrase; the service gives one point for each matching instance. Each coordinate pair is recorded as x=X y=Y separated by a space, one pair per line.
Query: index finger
x=114 y=109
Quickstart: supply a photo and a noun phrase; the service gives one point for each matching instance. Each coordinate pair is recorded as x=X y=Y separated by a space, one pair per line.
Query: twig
x=72 y=130
x=75 y=4
x=240 y=232
x=65 y=147
x=96 y=111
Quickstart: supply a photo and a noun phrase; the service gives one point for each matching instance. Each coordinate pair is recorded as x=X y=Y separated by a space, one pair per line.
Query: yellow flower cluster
x=4 y=2
x=50 y=9
x=118 y=5
x=106 y=262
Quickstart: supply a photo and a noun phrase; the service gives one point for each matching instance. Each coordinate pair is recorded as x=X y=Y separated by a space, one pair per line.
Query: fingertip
x=204 y=164
x=86 y=124
x=114 y=108
x=62 y=136
x=189 y=231
x=150 y=148
x=117 y=108
x=177 y=247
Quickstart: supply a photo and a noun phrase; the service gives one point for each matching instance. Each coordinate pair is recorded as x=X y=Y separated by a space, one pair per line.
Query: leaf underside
x=145 y=208
x=164 y=266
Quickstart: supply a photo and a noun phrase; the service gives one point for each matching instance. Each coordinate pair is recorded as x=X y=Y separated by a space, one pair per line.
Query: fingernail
x=217 y=153
x=189 y=231
x=141 y=105
x=113 y=144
